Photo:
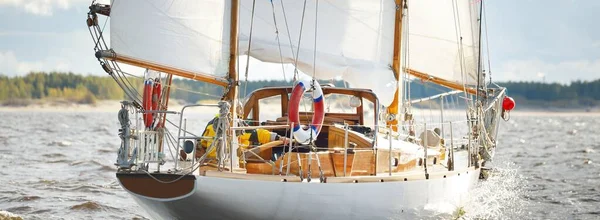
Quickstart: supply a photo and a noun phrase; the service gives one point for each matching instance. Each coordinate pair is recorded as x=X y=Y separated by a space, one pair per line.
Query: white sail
x=434 y=31
x=354 y=39
x=191 y=35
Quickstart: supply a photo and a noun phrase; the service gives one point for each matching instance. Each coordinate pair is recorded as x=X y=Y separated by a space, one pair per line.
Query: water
x=60 y=166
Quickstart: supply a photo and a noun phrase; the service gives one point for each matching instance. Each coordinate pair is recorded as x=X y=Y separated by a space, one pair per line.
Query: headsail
x=186 y=35
x=435 y=47
x=354 y=39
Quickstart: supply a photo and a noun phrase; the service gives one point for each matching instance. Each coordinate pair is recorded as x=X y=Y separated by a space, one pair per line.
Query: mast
x=393 y=108
x=232 y=93
x=479 y=66
x=233 y=42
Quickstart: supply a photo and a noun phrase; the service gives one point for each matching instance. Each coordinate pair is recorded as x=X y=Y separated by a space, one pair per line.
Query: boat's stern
x=159 y=186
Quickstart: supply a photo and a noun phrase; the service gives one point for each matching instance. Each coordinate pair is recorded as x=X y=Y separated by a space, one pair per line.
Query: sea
x=60 y=165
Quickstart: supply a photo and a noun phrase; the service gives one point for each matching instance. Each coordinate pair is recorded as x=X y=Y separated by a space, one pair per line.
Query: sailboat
x=368 y=150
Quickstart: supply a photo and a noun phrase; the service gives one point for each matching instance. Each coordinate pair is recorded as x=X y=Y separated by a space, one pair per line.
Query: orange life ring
x=300 y=134
x=147 y=103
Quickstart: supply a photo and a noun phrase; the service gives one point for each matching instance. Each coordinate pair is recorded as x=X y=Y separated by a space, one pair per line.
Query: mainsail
x=351 y=39
x=185 y=35
x=443 y=39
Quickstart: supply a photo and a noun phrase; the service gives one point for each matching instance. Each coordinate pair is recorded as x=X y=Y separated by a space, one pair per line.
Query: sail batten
x=191 y=36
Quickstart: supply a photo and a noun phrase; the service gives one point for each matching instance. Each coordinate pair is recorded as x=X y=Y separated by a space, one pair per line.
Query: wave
x=92 y=206
x=107 y=151
x=25 y=199
x=59 y=161
x=54 y=155
x=5 y=215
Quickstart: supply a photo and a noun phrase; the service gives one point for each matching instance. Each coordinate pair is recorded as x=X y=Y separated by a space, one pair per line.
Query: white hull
x=225 y=198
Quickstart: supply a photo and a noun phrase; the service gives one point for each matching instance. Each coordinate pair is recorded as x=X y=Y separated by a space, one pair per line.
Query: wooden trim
x=439 y=81
x=143 y=184
x=165 y=106
x=259 y=94
x=361 y=113
x=161 y=68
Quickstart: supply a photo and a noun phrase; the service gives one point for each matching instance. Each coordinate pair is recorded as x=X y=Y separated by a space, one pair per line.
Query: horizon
x=287 y=79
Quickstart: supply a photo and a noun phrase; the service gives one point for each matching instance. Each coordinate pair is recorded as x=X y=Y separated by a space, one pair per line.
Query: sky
x=532 y=40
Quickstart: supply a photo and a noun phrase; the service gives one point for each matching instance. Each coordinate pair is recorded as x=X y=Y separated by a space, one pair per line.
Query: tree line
x=87 y=89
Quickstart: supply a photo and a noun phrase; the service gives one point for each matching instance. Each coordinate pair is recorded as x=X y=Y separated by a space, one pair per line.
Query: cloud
x=41 y=7
x=538 y=70
x=11 y=65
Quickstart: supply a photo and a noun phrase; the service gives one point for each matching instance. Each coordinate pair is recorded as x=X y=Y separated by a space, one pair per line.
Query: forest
x=88 y=89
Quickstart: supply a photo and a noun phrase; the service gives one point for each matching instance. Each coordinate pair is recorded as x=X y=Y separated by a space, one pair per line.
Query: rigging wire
x=290 y=36
x=487 y=45
x=315 y=44
x=406 y=56
x=479 y=64
x=97 y=36
x=249 y=46
x=102 y=31
x=299 y=41
x=278 y=41
x=171 y=86
x=459 y=45
x=296 y=60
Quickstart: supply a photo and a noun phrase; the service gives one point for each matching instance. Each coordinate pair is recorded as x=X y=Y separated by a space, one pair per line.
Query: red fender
x=156 y=95
x=147 y=103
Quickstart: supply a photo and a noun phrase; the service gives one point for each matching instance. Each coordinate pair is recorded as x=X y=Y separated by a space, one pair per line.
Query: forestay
x=435 y=28
x=354 y=39
x=190 y=35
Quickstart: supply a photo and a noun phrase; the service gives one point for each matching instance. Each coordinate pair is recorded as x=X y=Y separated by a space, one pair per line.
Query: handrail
x=492 y=103
x=181 y=120
x=260 y=126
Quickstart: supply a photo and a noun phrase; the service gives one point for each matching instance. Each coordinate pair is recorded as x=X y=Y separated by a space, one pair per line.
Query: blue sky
x=555 y=40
